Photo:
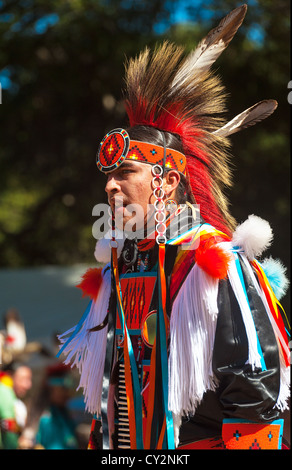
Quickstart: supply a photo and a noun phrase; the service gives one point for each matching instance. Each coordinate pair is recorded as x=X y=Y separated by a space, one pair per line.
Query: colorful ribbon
x=134 y=398
x=275 y=307
x=77 y=329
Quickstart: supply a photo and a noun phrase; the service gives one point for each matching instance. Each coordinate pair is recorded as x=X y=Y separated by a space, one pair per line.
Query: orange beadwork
x=112 y=150
x=137 y=294
x=252 y=436
x=153 y=154
x=116 y=147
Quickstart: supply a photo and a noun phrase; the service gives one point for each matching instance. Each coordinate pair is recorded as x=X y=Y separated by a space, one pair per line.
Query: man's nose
x=112 y=185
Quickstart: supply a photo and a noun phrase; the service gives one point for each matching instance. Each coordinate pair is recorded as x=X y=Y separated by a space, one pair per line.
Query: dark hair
x=13 y=366
x=173 y=141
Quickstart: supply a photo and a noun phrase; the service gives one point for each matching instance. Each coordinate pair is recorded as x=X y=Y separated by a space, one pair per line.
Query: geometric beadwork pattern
x=137 y=292
x=252 y=436
x=116 y=146
x=154 y=154
x=112 y=150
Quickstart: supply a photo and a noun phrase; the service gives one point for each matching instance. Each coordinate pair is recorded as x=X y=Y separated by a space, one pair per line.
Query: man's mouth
x=117 y=203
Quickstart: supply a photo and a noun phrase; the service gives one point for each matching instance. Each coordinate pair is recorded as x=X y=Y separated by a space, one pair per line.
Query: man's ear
x=170 y=182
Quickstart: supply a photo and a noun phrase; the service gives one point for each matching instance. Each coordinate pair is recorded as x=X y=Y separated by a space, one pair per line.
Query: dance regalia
x=227 y=351
x=184 y=342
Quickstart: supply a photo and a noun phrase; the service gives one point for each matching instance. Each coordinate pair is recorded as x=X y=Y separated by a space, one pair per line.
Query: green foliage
x=63 y=62
x=64 y=94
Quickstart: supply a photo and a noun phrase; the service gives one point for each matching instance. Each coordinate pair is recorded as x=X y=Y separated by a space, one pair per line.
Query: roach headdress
x=179 y=94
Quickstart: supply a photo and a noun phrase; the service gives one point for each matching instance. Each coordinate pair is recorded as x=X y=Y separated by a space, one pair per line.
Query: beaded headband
x=116 y=147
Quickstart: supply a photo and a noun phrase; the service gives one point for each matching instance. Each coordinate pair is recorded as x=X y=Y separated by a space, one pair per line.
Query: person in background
x=15 y=382
x=56 y=429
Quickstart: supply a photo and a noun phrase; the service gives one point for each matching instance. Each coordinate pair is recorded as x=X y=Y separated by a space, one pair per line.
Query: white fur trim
x=253 y=236
x=276 y=275
x=102 y=251
x=86 y=351
x=192 y=332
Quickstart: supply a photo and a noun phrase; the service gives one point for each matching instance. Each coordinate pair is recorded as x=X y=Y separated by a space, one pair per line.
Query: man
x=14 y=385
x=183 y=344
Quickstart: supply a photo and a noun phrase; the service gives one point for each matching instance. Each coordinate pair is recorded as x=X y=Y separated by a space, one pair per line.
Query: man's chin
x=130 y=228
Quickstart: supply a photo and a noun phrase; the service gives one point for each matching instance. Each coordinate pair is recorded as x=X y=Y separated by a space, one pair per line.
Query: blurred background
x=61 y=75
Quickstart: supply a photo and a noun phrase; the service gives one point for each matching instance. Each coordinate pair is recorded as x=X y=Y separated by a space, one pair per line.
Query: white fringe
x=254 y=358
x=87 y=350
x=192 y=332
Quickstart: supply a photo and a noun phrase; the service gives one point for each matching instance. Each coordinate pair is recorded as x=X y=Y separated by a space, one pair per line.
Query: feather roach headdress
x=179 y=94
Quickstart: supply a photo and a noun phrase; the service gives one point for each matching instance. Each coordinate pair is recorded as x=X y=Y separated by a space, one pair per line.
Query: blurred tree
x=64 y=64
x=62 y=67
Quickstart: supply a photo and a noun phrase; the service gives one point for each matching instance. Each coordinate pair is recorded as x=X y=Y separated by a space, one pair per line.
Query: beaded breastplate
x=138 y=293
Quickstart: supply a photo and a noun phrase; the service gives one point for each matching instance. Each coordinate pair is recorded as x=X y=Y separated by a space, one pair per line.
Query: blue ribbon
x=77 y=329
x=136 y=383
x=164 y=370
x=238 y=267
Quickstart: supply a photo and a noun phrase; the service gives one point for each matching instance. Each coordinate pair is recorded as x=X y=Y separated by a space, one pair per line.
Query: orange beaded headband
x=116 y=147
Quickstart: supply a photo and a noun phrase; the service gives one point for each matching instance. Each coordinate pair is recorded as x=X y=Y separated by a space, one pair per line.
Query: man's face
x=130 y=184
x=22 y=381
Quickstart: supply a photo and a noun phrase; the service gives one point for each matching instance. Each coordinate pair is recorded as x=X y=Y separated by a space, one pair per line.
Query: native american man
x=183 y=344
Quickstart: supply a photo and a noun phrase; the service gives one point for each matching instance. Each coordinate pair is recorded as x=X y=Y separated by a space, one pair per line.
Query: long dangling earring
x=159 y=206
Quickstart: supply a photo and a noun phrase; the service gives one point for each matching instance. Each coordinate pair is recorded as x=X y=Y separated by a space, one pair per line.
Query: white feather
x=253 y=236
x=249 y=117
x=210 y=48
